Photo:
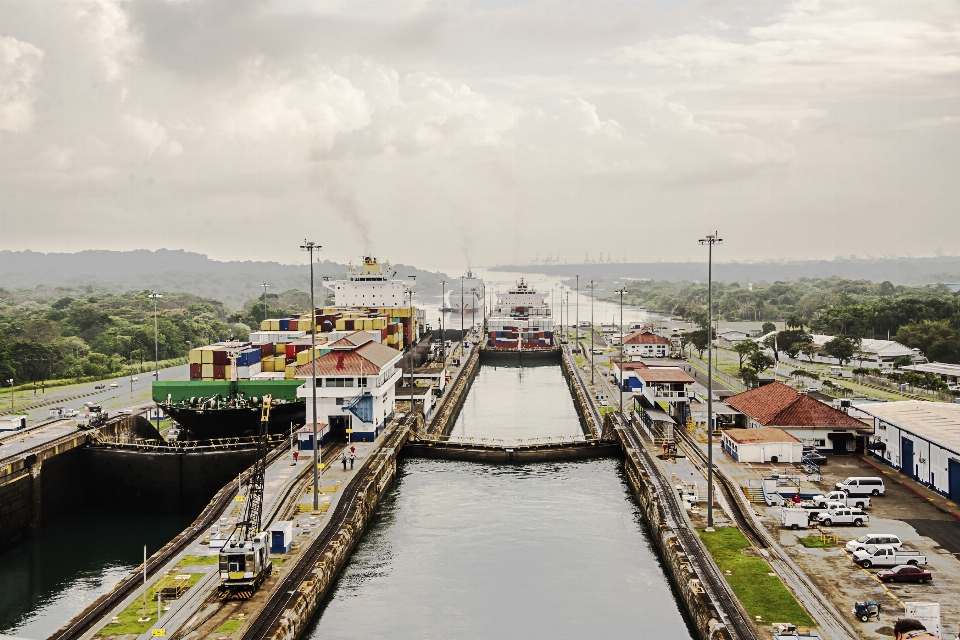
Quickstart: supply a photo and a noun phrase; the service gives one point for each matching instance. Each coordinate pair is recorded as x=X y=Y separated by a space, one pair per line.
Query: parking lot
x=919 y=524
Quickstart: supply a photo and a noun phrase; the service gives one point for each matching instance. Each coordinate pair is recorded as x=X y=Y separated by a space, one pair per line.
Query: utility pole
x=265 y=285
x=462 y=336
x=310 y=247
x=592 y=332
x=156 y=347
x=623 y=375
x=443 y=338
x=710 y=240
x=410 y=352
x=576 y=330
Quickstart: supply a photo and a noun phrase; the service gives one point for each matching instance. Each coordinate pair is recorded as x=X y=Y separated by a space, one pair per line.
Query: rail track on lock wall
x=738 y=623
x=828 y=618
x=286 y=590
x=93 y=614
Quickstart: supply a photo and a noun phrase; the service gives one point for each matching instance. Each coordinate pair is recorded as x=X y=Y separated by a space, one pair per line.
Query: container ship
x=520 y=321
x=229 y=379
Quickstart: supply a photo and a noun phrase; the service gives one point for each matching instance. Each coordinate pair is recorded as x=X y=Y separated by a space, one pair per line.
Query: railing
x=501 y=443
x=658 y=393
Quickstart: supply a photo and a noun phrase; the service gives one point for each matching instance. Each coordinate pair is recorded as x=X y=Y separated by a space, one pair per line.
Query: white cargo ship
x=465 y=296
x=521 y=320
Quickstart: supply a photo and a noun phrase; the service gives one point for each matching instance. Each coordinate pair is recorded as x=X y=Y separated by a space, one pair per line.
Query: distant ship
x=465 y=296
x=521 y=320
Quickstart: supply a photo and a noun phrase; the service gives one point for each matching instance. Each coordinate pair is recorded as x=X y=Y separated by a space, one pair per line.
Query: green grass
x=606 y=410
x=198 y=561
x=815 y=542
x=229 y=626
x=129 y=617
x=276 y=560
x=761 y=594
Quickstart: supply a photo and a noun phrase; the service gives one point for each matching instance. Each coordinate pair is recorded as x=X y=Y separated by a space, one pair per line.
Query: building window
x=339 y=402
x=362 y=382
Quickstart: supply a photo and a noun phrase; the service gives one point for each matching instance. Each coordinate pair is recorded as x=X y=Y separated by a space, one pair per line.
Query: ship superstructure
x=465 y=296
x=372 y=285
x=521 y=319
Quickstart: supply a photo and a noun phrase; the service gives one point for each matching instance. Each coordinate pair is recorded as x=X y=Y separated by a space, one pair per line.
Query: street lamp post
x=592 y=331
x=576 y=329
x=310 y=247
x=623 y=376
x=710 y=240
x=10 y=382
x=409 y=292
x=265 y=285
x=156 y=347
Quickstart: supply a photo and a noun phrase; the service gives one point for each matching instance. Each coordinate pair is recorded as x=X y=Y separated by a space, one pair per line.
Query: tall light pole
x=576 y=330
x=10 y=382
x=409 y=292
x=710 y=240
x=310 y=247
x=461 y=317
x=623 y=376
x=265 y=285
x=592 y=332
x=156 y=347
x=443 y=337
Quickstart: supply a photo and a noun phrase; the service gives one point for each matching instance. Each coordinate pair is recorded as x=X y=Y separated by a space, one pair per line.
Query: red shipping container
x=219 y=372
x=291 y=351
x=383 y=335
x=195 y=371
x=348 y=324
x=266 y=350
x=219 y=358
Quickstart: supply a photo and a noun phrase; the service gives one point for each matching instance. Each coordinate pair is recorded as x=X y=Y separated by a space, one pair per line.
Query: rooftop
x=939 y=368
x=888 y=348
x=369 y=359
x=759 y=436
x=936 y=421
x=777 y=405
x=655 y=373
x=645 y=337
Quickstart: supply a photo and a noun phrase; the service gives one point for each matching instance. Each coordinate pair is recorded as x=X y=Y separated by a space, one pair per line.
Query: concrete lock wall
x=444 y=419
x=705 y=617
x=580 y=399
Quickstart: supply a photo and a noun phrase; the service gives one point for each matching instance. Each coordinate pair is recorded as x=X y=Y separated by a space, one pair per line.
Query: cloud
x=107 y=27
x=19 y=69
x=152 y=135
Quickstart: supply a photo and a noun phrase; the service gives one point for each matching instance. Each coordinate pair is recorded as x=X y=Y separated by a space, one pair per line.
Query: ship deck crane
x=245 y=557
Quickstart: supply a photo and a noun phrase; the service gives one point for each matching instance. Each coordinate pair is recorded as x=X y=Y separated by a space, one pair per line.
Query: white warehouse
x=922 y=439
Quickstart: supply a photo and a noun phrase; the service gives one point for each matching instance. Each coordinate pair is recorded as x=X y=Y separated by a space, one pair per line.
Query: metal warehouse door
x=906 y=457
x=954 y=487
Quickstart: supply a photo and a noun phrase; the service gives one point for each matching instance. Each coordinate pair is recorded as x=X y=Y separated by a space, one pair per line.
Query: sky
x=446 y=134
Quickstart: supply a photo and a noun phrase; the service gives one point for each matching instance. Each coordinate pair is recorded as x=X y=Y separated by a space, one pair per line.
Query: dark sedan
x=904 y=573
x=816 y=458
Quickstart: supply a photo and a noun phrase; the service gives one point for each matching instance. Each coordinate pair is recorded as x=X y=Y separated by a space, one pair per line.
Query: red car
x=904 y=573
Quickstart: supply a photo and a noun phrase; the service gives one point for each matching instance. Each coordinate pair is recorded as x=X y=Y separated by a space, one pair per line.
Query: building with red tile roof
x=762 y=444
x=813 y=422
x=646 y=344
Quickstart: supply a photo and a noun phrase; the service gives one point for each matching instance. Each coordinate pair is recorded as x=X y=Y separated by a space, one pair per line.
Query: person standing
x=343 y=459
x=296 y=454
x=352 y=449
x=352 y=459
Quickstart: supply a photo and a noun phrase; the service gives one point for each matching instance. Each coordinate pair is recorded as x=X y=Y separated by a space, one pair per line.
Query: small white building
x=765 y=444
x=356 y=380
x=646 y=344
x=922 y=439
x=949 y=373
x=872 y=354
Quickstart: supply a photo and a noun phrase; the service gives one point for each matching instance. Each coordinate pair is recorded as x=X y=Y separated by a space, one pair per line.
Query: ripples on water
x=75 y=559
x=464 y=550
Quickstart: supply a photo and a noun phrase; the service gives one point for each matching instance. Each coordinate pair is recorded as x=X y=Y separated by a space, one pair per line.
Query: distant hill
x=175 y=270
x=905 y=271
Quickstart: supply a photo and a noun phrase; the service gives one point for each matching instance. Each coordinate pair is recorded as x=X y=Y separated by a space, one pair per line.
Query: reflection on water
x=75 y=559
x=517 y=403
x=464 y=550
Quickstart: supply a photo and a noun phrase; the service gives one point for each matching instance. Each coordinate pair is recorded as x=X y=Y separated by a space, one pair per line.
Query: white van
x=862 y=486
x=876 y=539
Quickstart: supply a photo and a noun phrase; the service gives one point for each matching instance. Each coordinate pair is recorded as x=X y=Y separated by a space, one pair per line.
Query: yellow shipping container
x=266 y=364
x=194 y=357
x=264 y=325
x=274 y=325
x=280 y=349
x=206 y=370
x=290 y=372
x=206 y=356
x=379 y=323
x=341 y=325
x=303 y=357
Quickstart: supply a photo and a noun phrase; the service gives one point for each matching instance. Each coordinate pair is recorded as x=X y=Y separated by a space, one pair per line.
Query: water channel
x=76 y=558
x=469 y=550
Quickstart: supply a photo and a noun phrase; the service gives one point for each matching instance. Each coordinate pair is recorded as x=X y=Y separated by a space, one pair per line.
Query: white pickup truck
x=841 y=497
x=843 y=515
x=874 y=556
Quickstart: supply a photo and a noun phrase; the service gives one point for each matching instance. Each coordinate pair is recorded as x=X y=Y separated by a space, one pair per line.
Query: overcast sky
x=442 y=133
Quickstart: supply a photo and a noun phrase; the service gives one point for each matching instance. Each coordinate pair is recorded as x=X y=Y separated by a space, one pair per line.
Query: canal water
x=76 y=558
x=466 y=550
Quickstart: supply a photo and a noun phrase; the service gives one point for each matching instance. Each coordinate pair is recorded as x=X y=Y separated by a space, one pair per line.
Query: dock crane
x=245 y=556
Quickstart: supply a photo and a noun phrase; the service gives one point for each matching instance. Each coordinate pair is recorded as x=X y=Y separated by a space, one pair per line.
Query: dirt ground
x=920 y=525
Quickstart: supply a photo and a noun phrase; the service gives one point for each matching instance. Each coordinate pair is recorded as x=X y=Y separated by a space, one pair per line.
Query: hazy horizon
x=481 y=133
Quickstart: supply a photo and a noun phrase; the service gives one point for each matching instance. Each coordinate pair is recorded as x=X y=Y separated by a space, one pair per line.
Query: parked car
x=842 y=498
x=843 y=515
x=861 y=486
x=97 y=387
x=134 y=379
x=598 y=351
x=887 y=557
x=816 y=458
x=904 y=573
x=875 y=539
x=114 y=385
x=811 y=390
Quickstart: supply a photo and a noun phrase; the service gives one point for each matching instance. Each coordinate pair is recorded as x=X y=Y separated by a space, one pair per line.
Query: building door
x=338 y=427
x=954 y=486
x=906 y=457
